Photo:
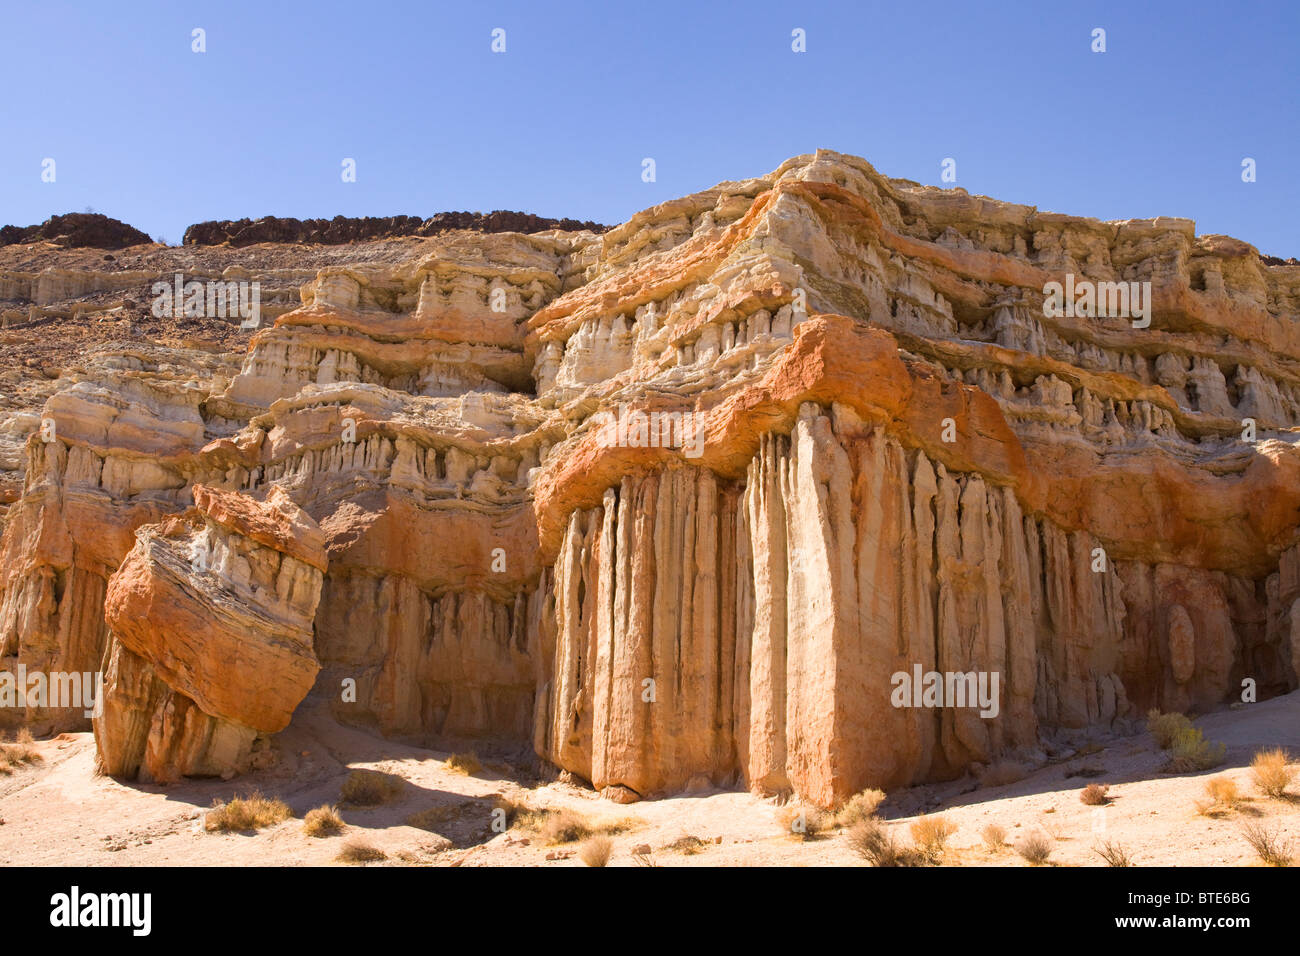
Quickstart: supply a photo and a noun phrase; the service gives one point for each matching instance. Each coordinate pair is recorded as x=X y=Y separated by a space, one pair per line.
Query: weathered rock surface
x=210 y=640
x=888 y=458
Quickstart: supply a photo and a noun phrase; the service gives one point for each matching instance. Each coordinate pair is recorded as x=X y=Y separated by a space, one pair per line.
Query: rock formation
x=675 y=504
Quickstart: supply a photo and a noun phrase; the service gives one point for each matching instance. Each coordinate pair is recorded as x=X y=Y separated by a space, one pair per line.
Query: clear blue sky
x=145 y=130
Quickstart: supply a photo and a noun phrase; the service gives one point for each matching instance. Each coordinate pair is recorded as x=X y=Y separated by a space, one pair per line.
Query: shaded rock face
x=423 y=497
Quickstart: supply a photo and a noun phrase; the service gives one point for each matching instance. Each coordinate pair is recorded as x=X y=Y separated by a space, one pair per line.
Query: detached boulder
x=210 y=644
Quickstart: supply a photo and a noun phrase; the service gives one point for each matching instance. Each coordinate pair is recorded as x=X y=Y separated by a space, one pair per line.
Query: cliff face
x=678 y=501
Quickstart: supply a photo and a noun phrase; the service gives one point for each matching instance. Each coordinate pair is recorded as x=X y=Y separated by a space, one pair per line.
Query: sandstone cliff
x=889 y=456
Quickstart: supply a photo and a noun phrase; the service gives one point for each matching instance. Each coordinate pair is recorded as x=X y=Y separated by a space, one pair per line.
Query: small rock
x=641 y=849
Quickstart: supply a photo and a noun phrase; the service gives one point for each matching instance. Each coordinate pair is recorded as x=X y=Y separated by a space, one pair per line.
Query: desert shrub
x=1035 y=848
x=806 y=823
x=564 y=826
x=17 y=755
x=357 y=850
x=1270 y=772
x=1095 y=794
x=1002 y=773
x=370 y=788
x=1190 y=751
x=858 y=807
x=931 y=833
x=688 y=845
x=252 y=812
x=1222 y=795
x=467 y=763
x=875 y=843
x=596 y=850
x=1267 y=844
x=994 y=836
x=1113 y=853
x=322 y=822
x=1166 y=727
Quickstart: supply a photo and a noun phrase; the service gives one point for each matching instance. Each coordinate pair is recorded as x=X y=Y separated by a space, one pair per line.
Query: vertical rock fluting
x=696 y=629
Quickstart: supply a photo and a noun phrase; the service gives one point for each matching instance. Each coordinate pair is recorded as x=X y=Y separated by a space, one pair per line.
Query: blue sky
x=144 y=129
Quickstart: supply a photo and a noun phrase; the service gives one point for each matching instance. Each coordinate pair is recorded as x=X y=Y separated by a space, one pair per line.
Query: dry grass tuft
x=19 y=753
x=687 y=845
x=1191 y=752
x=1267 y=844
x=860 y=806
x=1113 y=853
x=805 y=823
x=467 y=763
x=1035 y=848
x=1270 y=772
x=564 y=826
x=1223 y=796
x=1095 y=794
x=596 y=851
x=241 y=814
x=323 y=821
x=994 y=836
x=357 y=850
x=370 y=788
x=875 y=843
x=931 y=833
x=1166 y=727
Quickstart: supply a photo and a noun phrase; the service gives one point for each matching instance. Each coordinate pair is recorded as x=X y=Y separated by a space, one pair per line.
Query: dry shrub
x=994 y=836
x=596 y=850
x=688 y=845
x=24 y=736
x=1166 y=727
x=514 y=810
x=1191 y=752
x=1035 y=848
x=17 y=755
x=858 y=807
x=1095 y=794
x=1267 y=844
x=564 y=826
x=1113 y=853
x=357 y=850
x=931 y=833
x=246 y=813
x=1002 y=773
x=467 y=763
x=322 y=822
x=805 y=823
x=370 y=788
x=1270 y=773
x=875 y=843
x=1223 y=796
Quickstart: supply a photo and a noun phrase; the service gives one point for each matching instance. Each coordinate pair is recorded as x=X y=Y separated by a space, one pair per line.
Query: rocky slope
x=879 y=452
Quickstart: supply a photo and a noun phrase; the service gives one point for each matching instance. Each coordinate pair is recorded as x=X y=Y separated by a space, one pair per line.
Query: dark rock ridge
x=76 y=230
x=341 y=229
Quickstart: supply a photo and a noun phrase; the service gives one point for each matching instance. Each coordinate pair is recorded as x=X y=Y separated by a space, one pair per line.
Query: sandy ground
x=59 y=812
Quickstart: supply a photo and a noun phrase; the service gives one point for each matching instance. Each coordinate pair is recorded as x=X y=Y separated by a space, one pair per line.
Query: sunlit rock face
x=677 y=504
